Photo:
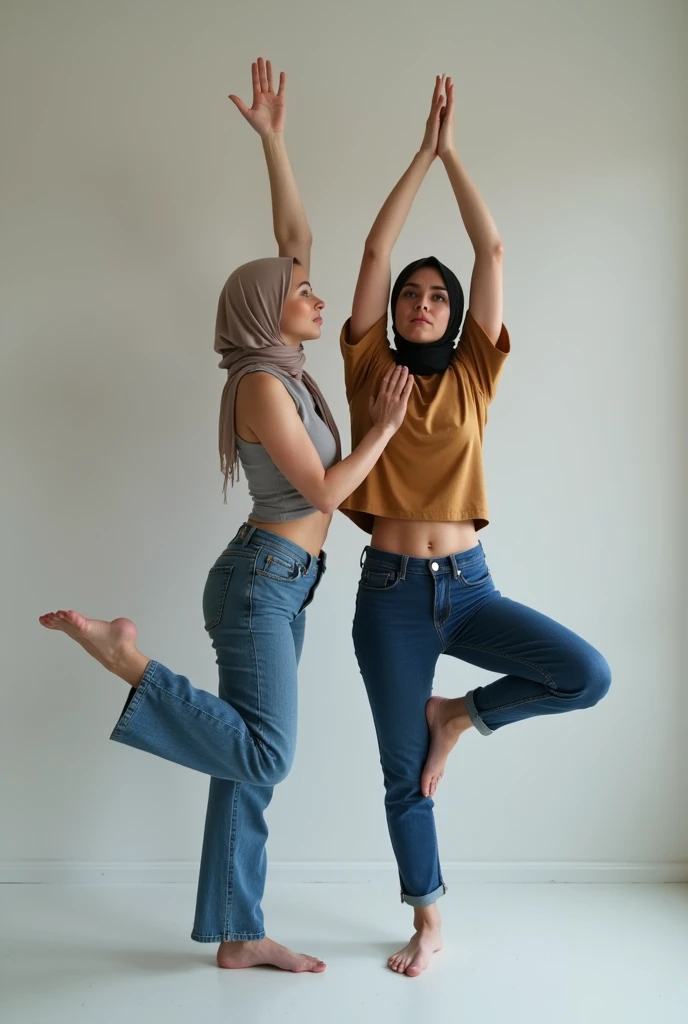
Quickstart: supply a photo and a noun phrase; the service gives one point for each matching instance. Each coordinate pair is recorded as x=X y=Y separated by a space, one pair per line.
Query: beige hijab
x=247 y=335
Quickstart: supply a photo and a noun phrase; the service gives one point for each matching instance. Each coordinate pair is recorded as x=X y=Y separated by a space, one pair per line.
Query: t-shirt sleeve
x=483 y=360
x=361 y=358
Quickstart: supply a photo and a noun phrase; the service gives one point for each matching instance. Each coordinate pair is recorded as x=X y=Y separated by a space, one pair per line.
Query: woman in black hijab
x=425 y=588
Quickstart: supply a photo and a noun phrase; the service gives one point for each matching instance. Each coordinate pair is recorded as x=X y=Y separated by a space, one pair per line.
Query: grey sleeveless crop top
x=275 y=500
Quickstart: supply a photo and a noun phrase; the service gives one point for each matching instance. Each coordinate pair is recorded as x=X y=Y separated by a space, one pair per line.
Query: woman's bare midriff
x=308 y=533
x=423 y=539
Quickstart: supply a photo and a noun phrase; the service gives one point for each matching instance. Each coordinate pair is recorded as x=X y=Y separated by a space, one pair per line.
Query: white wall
x=132 y=188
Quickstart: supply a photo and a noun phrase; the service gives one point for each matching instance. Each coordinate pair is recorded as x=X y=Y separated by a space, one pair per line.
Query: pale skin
x=265 y=414
x=421 y=315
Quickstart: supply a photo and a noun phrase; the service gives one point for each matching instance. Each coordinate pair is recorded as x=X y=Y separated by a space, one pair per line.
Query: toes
x=397 y=963
x=312 y=964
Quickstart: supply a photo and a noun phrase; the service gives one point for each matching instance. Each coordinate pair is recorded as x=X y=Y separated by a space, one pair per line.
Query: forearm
x=480 y=227
x=288 y=215
x=342 y=479
x=392 y=217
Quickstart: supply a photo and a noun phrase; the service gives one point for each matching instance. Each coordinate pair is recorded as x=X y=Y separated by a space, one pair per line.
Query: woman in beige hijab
x=276 y=424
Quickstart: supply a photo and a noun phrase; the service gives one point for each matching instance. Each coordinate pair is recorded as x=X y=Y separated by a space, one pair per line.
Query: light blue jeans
x=254 y=611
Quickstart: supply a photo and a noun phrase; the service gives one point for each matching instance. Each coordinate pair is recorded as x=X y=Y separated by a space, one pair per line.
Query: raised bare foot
x=447 y=719
x=113 y=644
x=237 y=955
x=413 y=959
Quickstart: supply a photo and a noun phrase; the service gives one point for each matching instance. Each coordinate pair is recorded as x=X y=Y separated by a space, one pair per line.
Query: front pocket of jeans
x=476 y=576
x=372 y=579
x=272 y=567
x=215 y=594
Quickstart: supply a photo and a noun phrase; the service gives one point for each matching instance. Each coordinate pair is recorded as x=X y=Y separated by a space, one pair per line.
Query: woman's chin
x=420 y=337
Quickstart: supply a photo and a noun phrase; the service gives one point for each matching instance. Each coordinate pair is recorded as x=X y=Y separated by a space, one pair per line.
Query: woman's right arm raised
x=268 y=409
x=374 y=278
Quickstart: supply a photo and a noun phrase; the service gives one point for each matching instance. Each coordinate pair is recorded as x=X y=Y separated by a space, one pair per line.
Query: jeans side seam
x=508 y=657
x=230 y=862
x=259 y=703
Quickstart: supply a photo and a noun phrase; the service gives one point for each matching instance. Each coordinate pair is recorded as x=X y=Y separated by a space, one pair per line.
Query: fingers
x=282 y=84
x=239 y=103
x=255 y=78
x=262 y=75
x=387 y=381
x=438 y=98
x=268 y=68
x=401 y=382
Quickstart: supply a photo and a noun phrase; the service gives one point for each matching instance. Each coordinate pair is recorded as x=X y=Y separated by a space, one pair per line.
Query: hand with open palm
x=268 y=111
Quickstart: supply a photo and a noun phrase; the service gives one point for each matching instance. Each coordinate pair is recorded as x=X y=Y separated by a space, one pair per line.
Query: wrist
x=384 y=431
x=425 y=156
x=449 y=153
x=272 y=138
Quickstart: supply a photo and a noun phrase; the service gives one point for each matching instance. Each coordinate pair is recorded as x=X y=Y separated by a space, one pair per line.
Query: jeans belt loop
x=455 y=568
x=404 y=566
x=248 y=533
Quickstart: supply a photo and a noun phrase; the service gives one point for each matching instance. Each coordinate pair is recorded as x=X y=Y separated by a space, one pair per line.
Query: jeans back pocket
x=215 y=594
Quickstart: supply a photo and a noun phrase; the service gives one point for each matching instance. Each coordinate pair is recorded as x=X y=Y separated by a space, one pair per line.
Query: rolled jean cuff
x=424 y=901
x=474 y=715
x=228 y=937
x=133 y=701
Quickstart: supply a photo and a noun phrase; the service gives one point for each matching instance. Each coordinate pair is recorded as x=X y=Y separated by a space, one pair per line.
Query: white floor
x=515 y=954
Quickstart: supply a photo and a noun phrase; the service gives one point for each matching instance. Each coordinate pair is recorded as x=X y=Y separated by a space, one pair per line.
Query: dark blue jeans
x=408 y=612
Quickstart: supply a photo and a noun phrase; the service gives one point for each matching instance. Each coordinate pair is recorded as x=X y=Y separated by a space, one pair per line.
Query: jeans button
x=434 y=566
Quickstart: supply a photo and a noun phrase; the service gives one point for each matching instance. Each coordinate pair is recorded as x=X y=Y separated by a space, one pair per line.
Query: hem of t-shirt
x=282 y=517
x=447 y=514
x=478 y=515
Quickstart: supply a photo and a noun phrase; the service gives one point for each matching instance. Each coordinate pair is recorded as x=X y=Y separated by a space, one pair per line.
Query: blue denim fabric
x=409 y=611
x=254 y=611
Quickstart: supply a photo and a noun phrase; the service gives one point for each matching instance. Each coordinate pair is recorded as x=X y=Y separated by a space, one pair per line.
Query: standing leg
x=234 y=861
x=397 y=648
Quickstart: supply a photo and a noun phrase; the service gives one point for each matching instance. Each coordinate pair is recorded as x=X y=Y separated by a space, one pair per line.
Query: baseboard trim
x=456 y=872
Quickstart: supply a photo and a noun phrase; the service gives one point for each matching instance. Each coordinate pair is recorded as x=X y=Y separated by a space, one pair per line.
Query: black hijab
x=434 y=356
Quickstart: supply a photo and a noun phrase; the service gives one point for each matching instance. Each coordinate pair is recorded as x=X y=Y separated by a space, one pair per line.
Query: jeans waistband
x=254 y=538
x=405 y=565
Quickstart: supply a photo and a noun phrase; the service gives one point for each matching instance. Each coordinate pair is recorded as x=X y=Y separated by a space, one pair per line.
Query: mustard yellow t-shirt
x=432 y=469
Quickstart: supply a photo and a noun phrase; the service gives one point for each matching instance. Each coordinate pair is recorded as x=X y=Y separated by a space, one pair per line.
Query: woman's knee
x=275 y=765
x=593 y=677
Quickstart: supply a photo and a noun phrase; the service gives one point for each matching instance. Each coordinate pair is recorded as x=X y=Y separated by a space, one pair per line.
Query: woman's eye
x=305 y=293
x=440 y=297
x=409 y=294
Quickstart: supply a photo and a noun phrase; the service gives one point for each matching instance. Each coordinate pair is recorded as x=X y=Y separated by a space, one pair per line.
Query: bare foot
x=113 y=644
x=447 y=719
x=413 y=959
x=237 y=955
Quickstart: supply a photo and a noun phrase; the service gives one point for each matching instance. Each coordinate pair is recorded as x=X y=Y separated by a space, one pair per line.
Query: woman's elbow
x=327 y=506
